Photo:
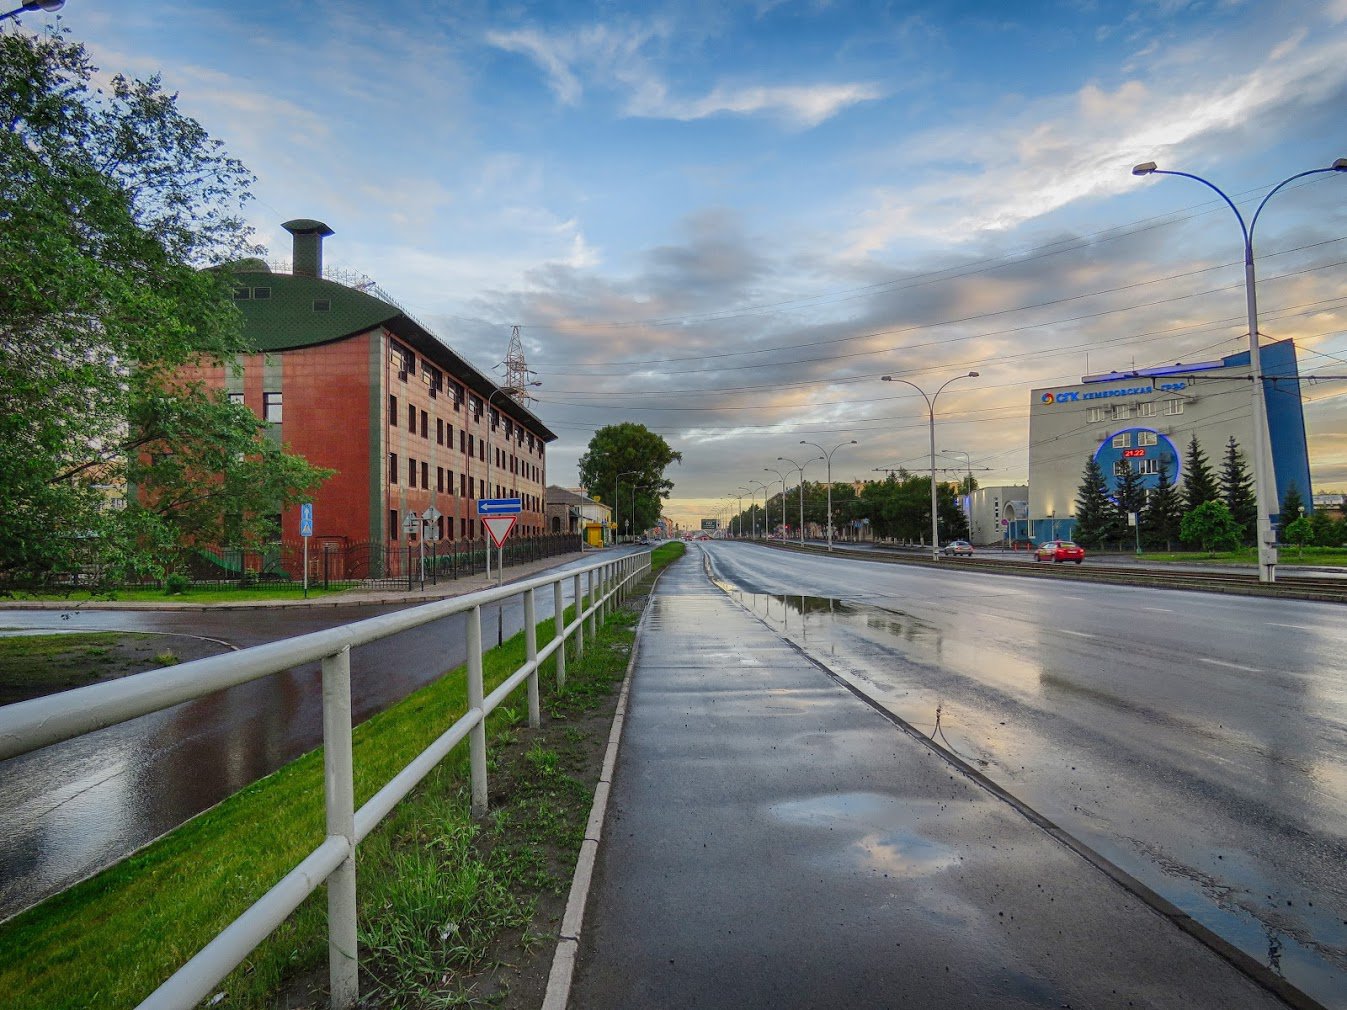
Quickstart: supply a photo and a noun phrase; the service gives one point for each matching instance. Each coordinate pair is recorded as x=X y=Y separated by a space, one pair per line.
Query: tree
x=1237 y=491
x=1293 y=506
x=623 y=456
x=1164 y=512
x=1130 y=497
x=112 y=203
x=1212 y=527
x=1096 y=517
x=1299 y=532
x=1199 y=484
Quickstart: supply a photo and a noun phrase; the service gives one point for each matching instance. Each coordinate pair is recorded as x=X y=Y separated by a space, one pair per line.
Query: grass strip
x=112 y=939
x=197 y=594
x=1287 y=554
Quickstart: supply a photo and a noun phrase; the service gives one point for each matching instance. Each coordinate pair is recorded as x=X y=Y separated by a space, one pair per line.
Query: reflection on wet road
x=73 y=808
x=1199 y=741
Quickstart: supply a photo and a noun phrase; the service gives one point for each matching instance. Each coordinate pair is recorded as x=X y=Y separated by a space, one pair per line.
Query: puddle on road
x=884 y=830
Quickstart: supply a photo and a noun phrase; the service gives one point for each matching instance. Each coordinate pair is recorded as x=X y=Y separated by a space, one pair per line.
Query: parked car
x=957 y=548
x=1059 y=550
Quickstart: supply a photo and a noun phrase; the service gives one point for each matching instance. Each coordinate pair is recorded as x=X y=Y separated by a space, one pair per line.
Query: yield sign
x=500 y=527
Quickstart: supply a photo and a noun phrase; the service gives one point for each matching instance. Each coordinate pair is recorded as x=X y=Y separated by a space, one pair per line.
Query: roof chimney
x=308 y=246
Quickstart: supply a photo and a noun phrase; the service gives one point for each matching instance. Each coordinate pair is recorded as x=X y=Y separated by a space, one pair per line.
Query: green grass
x=1287 y=554
x=197 y=594
x=111 y=940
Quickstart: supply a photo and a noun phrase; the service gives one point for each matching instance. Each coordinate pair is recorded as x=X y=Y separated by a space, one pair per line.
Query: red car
x=1059 y=550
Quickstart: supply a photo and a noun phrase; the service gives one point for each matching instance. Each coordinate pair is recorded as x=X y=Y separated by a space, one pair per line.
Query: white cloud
x=806 y=105
x=552 y=55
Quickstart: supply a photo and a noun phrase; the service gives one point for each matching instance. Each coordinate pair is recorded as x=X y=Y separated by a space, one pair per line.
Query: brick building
x=350 y=381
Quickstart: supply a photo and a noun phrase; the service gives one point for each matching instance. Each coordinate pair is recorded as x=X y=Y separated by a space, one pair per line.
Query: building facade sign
x=1076 y=395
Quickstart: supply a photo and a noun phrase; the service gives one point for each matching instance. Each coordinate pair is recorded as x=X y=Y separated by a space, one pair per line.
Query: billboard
x=710 y=524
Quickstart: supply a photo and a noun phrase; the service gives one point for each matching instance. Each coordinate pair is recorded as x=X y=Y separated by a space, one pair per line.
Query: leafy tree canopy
x=629 y=460
x=111 y=204
x=1212 y=527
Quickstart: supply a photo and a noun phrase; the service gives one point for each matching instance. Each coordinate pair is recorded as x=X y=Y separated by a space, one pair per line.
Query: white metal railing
x=28 y=725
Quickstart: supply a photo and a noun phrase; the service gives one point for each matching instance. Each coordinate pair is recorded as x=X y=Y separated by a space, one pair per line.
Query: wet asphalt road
x=73 y=808
x=772 y=842
x=1199 y=741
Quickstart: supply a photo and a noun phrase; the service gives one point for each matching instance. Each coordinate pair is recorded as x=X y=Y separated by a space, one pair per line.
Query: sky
x=726 y=221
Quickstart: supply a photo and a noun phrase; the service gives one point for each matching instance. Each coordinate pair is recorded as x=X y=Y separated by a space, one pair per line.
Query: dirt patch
x=35 y=665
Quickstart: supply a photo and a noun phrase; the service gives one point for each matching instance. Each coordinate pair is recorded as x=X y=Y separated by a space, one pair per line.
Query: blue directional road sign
x=306 y=519
x=500 y=506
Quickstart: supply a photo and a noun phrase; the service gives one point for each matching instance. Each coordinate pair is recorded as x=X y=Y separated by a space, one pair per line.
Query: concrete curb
x=568 y=940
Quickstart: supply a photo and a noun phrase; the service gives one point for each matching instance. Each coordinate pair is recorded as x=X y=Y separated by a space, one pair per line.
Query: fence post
x=559 y=630
x=339 y=790
x=579 y=620
x=477 y=735
x=531 y=654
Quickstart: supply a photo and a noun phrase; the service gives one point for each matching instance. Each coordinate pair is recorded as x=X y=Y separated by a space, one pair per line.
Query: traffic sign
x=499 y=527
x=306 y=519
x=431 y=514
x=500 y=506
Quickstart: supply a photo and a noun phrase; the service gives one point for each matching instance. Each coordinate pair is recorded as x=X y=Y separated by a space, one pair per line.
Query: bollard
x=476 y=735
x=559 y=631
x=339 y=792
x=531 y=654
x=579 y=621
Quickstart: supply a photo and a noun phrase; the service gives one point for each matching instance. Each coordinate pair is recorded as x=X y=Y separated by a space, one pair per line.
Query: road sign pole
x=306 y=568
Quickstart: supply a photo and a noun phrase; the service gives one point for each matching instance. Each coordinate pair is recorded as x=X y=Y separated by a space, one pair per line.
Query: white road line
x=1078 y=634
x=1232 y=666
x=1297 y=627
x=1158 y=610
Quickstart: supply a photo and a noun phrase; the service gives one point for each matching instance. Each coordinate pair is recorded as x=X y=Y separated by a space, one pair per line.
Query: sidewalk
x=771 y=841
x=445 y=589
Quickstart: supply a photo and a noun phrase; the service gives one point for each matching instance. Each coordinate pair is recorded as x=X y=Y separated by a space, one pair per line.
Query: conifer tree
x=1129 y=496
x=1199 y=485
x=1293 y=506
x=1164 y=512
x=1237 y=491
x=1096 y=517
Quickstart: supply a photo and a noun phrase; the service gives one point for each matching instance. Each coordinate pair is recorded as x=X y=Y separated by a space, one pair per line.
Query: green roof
x=297 y=311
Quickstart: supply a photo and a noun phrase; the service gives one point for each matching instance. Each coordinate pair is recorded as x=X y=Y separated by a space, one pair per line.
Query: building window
x=271 y=407
x=1123 y=441
x=322 y=305
x=1147 y=438
x=1145 y=409
x=1148 y=467
x=1098 y=414
x=242 y=294
x=236 y=398
x=481 y=450
x=392 y=524
x=439 y=430
x=259 y=293
x=425 y=425
x=470 y=445
x=481 y=488
x=392 y=411
x=425 y=475
x=1121 y=412
x=439 y=480
x=411 y=472
x=1173 y=407
x=463 y=485
x=392 y=468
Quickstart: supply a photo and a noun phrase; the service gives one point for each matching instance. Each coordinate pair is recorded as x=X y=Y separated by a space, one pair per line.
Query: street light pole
x=930 y=412
x=753 y=487
x=50 y=6
x=782 y=478
x=1264 y=489
x=616 y=481
x=800 y=467
x=829 y=457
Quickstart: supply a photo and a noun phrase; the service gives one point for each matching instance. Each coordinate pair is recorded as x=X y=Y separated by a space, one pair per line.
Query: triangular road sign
x=499 y=527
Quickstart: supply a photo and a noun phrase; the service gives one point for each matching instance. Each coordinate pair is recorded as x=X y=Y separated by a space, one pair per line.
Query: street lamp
x=50 y=6
x=490 y=458
x=930 y=412
x=753 y=486
x=782 y=478
x=616 y=481
x=800 y=467
x=968 y=462
x=738 y=496
x=829 y=457
x=1262 y=460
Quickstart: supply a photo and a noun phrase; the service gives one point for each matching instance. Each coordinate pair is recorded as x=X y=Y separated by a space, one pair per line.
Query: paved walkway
x=772 y=841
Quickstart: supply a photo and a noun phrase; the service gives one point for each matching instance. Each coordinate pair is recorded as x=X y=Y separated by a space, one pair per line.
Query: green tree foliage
x=1237 y=491
x=1199 y=483
x=1212 y=527
x=1299 y=532
x=1129 y=496
x=624 y=456
x=1328 y=532
x=1293 y=506
x=111 y=203
x=1164 y=512
x=1096 y=515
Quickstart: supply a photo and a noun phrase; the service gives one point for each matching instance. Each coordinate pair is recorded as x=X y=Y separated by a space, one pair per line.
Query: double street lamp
x=752 y=487
x=781 y=477
x=930 y=412
x=800 y=467
x=828 y=455
x=50 y=6
x=1263 y=473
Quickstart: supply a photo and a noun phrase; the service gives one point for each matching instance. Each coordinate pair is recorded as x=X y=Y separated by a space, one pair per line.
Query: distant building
x=570 y=510
x=1146 y=417
x=989 y=512
x=350 y=381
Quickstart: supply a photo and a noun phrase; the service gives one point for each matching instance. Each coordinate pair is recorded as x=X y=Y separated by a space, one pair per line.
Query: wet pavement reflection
x=1198 y=742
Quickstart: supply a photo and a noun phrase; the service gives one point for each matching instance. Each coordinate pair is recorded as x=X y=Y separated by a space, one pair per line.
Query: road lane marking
x=1078 y=634
x=1158 y=610
x=1297 y=627
x=1232 y=666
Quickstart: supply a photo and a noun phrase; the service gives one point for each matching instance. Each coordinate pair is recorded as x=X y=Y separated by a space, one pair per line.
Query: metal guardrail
x=29 y=725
